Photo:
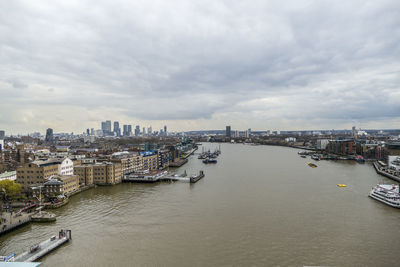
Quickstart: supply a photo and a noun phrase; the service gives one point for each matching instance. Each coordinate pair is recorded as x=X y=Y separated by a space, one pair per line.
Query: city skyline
x=286 y=65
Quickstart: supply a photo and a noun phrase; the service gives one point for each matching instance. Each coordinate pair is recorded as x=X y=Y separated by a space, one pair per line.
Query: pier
x=41 y=249
x=161 y=177
x=383 y=172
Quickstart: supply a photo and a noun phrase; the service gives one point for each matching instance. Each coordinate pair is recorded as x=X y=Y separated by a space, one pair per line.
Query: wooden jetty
x=41 y=249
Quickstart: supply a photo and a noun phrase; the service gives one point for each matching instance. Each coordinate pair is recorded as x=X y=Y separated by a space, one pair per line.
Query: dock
x=162 y=177
x=380 y=171
x=194 y=179
x=41 y=249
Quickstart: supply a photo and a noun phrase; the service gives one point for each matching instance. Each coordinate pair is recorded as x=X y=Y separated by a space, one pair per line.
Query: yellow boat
x=341 y=185
x=312 y=165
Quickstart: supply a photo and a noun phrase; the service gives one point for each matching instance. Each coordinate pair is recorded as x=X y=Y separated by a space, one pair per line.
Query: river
x=259 y=205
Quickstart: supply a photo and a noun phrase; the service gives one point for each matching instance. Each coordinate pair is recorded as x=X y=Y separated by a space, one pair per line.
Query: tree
x=11 y=189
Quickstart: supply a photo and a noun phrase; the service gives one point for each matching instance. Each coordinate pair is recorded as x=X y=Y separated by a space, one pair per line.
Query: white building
x=66 y=167
x=322 y=143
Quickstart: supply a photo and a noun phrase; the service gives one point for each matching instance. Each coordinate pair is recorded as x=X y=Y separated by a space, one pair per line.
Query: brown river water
x=258 y=206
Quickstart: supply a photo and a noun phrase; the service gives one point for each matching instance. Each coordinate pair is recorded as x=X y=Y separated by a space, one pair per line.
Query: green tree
x=10 y=189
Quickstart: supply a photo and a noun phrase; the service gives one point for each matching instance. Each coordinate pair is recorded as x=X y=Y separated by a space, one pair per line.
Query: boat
x=303 y=156
x=43 y=216
x=209 y=160
x=315 y=157
x=386 y=193
x=312 y=165
x=341 y=185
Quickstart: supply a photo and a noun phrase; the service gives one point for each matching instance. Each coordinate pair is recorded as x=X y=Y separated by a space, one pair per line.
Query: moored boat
x=209 y=160
x=386 y=193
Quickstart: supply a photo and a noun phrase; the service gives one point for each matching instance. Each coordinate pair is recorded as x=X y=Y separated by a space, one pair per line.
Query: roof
x=53 y=182
x=7 y=174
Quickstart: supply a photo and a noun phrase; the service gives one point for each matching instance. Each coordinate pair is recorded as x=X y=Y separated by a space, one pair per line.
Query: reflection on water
x=260 y=205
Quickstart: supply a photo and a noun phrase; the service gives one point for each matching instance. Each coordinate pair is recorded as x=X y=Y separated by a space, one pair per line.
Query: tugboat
x=387 y=193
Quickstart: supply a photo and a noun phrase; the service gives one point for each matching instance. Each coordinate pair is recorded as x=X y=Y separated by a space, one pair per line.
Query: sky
x=193 y=65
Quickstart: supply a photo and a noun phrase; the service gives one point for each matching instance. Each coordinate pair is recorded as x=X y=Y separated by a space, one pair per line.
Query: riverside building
x=102 y=173
x=39 y=171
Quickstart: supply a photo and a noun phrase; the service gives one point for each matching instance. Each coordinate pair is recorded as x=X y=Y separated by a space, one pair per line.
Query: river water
x=260 y=206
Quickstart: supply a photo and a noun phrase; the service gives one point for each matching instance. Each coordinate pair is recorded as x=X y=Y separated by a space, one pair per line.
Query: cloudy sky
x=279 y=65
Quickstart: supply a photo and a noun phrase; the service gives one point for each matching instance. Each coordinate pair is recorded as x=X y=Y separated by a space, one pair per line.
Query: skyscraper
x=137 y=130
x=2 y=135
x=87 y=131
x=228 y=131
x=103 y=126
x=108 y=126
x=165 y=130
x=125 y=130
x=92 y=131
x=49 y=135
x=129 y=130
x=117 y=130
x=150 y=130
x=144 y=131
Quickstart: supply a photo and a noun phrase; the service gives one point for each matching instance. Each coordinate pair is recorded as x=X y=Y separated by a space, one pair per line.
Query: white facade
x=66 y=167
x=322 y=143
x=1 y=144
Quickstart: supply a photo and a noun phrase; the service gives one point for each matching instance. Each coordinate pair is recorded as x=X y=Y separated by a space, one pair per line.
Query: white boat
x=387 y=193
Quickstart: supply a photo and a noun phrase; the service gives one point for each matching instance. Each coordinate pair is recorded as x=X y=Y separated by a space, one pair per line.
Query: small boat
x=341 y=185
x=303 y=156
x=209 y=160
x=312 y=165
x=315 y=157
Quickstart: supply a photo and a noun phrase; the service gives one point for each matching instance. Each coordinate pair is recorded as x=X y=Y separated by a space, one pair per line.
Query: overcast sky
x=265 y=65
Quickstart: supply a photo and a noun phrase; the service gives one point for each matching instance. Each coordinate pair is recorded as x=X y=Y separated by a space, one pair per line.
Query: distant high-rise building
x=249 y=130
x=150 y=130
x=353 y=131
x=117 y=130
x=92 y=131
x=108 y=126
x=103 y=126
x=87 y=131
x=137 y=130
x=49 y=135
x=144 y=131
x=2 y=135
x=165 y=129
x=129 y=130
x=125 y=130
x=228 y=131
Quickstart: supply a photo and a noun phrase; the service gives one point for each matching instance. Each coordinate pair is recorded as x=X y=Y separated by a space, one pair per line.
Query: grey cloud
x=187 y=61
